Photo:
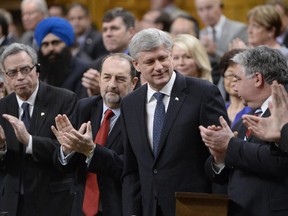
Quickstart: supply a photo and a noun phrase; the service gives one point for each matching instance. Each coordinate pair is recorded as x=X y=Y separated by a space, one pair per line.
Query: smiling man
x=159 y=162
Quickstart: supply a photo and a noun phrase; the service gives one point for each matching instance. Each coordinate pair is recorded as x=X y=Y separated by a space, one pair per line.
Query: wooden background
x=234 y=9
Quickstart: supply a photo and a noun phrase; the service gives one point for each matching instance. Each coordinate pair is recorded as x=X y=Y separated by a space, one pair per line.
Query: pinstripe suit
x=44 y=187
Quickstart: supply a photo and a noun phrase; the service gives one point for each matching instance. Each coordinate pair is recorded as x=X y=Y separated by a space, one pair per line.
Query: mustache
x=112 y=90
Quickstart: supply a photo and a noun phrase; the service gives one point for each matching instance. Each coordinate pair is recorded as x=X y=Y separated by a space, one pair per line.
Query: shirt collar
x=115 y=111
x=264 y=106
x=219 y=26
x=165 y=90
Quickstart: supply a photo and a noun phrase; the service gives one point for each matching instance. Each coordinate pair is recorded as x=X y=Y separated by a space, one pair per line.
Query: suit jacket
x=44 y=187
x=179 y=165
x=93 y=44
x=27 y=38
x=258 y=180
x=73 y=82
x=106 y=161
x=230 y=31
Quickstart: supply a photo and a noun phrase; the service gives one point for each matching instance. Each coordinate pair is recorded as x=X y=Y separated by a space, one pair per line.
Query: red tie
x=256 y=113
x=91 y=194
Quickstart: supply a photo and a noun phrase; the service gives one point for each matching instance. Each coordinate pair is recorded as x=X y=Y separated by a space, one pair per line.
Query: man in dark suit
x=257 y=179
x=88 y=39
x=275 y=127
x=117 y=79
x=55 y=36
x=30 y=184
x=114 y=41
x=154 y=171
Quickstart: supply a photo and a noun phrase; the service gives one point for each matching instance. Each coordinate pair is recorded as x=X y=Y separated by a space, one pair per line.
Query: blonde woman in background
x=190 y=57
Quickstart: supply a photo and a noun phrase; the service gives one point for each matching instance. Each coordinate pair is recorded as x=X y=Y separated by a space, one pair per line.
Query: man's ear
x=136 y=66
x=258 y=79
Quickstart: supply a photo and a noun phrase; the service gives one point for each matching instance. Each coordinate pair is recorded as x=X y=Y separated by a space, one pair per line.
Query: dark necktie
x=214 y=34
x=26 y=115
x=257 y=112
x=91 y=194
x=159 y=116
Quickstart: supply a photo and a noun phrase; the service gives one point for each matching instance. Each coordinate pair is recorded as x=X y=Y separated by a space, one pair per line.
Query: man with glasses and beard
x=55 y=36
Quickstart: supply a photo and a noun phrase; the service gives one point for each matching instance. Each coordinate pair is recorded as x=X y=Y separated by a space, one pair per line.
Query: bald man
x=219 y=31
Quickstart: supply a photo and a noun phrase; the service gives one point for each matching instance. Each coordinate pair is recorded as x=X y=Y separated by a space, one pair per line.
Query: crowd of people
x=115 y=120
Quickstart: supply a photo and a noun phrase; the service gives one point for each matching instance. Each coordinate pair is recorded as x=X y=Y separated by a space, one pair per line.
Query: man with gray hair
x=32 y=12
x=163 y=150
x=257 y=179
x=29 y=182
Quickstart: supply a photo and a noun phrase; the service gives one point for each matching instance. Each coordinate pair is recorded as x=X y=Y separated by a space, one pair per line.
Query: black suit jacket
x=179 y=165
x=44 y=187
x=73 y=82
x=93 y=44
x=106 y=161
x=258 y=179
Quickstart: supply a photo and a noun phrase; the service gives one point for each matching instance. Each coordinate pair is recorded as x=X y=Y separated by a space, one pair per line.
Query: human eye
x=121 y=79
x=25 y=70
x=44 y=44
x=56 y=42
x=163 y=58
x=11 y=73
x=175 y=57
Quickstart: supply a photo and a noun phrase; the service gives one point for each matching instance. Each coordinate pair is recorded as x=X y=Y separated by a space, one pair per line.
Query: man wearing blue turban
x=55 y=37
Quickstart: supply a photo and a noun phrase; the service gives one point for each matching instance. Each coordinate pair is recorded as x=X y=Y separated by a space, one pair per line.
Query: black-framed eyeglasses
x=23 y=70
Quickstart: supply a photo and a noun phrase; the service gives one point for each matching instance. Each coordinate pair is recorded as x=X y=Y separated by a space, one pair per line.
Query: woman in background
x=235 y=108
x=190 y=57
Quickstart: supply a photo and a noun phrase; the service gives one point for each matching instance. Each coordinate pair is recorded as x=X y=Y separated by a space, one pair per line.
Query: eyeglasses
x=229 y=76
x=24 y=71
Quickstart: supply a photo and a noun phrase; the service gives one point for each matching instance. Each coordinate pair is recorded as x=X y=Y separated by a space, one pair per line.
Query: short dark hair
x=80 y=5
x=226 y=60
x=4 y=25
x=127 y=16
x=192 y=19
x=165 y=19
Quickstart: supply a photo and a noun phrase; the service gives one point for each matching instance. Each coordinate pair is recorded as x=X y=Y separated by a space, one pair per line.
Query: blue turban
x=57 y=26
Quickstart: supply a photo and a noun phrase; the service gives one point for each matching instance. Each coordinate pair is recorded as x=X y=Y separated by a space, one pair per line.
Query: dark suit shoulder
x=90 y=102
x=53 y=90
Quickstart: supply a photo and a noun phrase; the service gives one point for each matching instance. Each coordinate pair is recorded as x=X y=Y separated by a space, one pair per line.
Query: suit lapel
x=113 y=134
x=140 y=118
x=265 y=114
x=176 y=101
x=96 y=115
x=40 y=110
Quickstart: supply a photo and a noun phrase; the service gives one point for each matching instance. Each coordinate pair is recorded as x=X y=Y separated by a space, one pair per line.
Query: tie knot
x=159 y=96
x=108 y=114
x=25 y=106
x=258 y=112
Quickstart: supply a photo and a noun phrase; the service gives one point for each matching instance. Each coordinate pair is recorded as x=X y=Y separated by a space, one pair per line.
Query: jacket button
x=155 y=171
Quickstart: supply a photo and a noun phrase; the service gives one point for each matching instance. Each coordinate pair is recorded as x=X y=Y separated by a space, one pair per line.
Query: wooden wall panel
x=236 y=9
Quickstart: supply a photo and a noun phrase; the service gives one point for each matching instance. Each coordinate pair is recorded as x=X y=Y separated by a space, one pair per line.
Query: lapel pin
x=42 y=113
x=176 y=98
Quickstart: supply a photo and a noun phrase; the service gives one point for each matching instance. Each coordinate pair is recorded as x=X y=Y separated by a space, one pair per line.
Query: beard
x=54 y=67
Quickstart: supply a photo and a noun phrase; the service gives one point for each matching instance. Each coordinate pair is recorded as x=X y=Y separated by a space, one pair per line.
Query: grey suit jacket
x=231 y=30
x=179 y=164
x=44 y=187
